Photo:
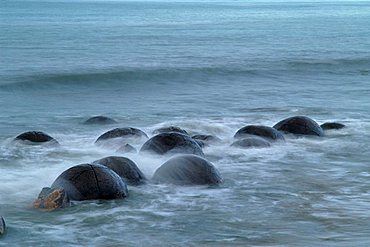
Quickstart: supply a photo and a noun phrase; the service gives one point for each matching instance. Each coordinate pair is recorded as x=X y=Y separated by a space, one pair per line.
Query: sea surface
x=209 y=67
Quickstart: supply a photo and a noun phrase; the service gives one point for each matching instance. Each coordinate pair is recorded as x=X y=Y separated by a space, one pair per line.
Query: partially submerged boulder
x=124 y=167
x=261 y=131
x=187 y=170
x=102 y=120
x=35 y=137
x=82 y=182
x=299 y=125
x=251 y=142
x=124 y=133
x=170 y=129
x=2 y=225
x=171 y=143
x=332 y=125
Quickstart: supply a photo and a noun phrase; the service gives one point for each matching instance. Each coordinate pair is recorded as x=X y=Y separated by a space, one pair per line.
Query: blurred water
x=208 y=67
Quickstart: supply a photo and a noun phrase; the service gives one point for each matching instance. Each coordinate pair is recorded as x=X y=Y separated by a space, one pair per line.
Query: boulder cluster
x=109 y=177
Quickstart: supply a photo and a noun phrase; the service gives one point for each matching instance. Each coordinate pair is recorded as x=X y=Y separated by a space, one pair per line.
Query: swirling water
x=206 y=66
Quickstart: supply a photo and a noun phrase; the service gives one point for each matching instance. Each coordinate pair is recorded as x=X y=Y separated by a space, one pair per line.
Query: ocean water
x=209 y=67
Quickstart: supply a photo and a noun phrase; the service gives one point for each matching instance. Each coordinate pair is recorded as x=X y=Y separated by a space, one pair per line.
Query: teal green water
x=208 y=67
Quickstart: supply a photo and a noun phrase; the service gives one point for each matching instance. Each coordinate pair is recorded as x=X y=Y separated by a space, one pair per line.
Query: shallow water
x=208 y=67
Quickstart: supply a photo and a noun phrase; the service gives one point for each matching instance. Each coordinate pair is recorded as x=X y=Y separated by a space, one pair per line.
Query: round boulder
x=35 y=137
x=170 y=143
x=124 y=167
x=82 y=182
x=169 y=130
x=127 y=132
x=187 y=170
x=259 y=130
x=100 y=120
x=251 y=142
x=332 y=125
x=299 y=125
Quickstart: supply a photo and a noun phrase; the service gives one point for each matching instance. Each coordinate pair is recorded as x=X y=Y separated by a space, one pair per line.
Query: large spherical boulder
x=124 y=167
x=205 y=140
x=82 y=182
x=35 y=137
x=299 y=125
x=332 y=125
x=126 y=133
x=102 y=120
x=170 y=143
x=126 y=148
x=251 y=142
x=170 y=129
x=187 y=170
x=259 y=130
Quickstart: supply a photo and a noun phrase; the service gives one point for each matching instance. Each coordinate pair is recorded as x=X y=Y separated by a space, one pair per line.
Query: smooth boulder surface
x=36 y=137
x=332 y=125
x=170 y=143
x=259 y=130
x=251 y=142
x=169 y=130
x=124 y=167
x=187 y=170
x=127 y=132
x=82 y=182
x=299 y=125
x=100 y=120
x=206 y=138
x=2 y=225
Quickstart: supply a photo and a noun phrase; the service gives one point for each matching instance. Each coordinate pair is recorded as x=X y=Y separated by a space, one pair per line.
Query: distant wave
x=122 y=76
x=108 y=77
x=340 y=65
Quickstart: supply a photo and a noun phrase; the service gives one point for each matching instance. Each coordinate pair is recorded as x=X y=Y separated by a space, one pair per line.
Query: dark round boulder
x=251 y=142
x=187 y=170
x=299 y=125
x=2 y=225
x=170 y=143
x=206 y=138
x=100 y=120
x=127 y=132
x=127 y=148
x=35 y=137
x=332 y=125
x=124 y=167
x=169 y=130
x=82 y=182
x=259 y=130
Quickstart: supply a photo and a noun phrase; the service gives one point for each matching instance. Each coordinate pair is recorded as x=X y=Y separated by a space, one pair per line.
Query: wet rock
x=299 y=125
x=2 y=226
x=251 y=142
x=261 y=131
x=35 y=137
x=169 y=130
x=127 y=148
x=187 y=170
x=171 y=143
x=127 y=133
x=103 y=120
x=332 y=125
x=124 y=167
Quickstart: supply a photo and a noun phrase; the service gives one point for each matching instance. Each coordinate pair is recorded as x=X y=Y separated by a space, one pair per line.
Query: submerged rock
x=332 y=125
x=299 y=125
x=124 y=167
x=100 y=120
x=259 y=130
x=35 y=137
x=170 y=143
x=82 y=182
x=251 y=142
x=187 y=170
